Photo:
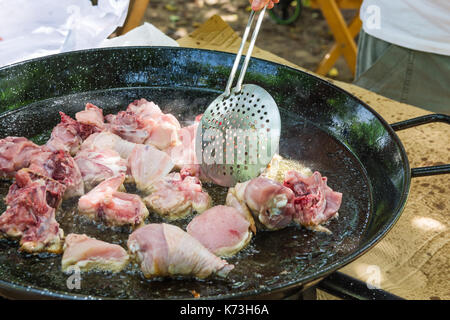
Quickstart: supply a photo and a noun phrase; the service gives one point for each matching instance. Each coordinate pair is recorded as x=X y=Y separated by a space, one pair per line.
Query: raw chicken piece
x=165 y=250
x=69 y=134
x=221 y=229
x=44 y=236
x=29 y=216
x=183 y=153
x=91 y=254
x=144 y=122
x=60 y=166
x=97 y=165
x=233 y=201
x=15 y=154
x=115 y=208
x=65 y=136
x=24 y=177
x=268 y=200
x=175 y=197
x=164 y=131
x=108 y=140
x=163 y=128
x=148 y=165
x=314 y=201
x=144 y=109
x=91 y=120
x=128 y=126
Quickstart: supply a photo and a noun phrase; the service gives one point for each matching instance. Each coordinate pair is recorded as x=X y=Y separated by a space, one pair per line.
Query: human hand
x=259 y=4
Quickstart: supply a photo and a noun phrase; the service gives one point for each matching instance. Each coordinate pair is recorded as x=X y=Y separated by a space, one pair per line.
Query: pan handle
x=436 y=117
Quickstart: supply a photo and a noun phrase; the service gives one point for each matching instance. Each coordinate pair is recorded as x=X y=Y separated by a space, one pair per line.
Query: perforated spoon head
x=238 y=135
x=240 y=130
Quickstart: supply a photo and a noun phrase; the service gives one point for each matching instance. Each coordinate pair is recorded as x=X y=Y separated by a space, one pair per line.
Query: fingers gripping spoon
x=240 y=130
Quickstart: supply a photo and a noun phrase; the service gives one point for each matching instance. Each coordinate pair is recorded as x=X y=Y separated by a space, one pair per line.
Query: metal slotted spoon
x=240 y=129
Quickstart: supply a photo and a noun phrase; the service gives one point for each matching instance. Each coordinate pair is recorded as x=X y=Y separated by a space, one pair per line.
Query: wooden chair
x=136 y=12
x=344 y=34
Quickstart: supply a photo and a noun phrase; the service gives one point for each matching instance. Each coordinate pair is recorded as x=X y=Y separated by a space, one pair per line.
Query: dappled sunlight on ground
x=427 y=224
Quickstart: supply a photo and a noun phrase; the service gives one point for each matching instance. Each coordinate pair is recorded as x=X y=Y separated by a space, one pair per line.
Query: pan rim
x=379 y=235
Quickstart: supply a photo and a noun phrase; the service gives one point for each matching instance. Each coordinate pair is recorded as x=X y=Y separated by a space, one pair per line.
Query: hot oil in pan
x=272 y=259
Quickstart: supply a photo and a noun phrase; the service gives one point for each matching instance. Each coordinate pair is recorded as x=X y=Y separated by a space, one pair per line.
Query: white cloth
x=34 y=28
x=144 y=35
x=422 y=25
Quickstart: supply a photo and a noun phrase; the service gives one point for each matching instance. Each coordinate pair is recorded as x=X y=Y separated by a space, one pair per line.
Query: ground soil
x=304 y=42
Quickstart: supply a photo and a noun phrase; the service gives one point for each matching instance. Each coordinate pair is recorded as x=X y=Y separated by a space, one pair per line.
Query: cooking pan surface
x=272 y=260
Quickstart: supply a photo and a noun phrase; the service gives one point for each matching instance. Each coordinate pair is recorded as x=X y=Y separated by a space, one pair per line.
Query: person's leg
x=369 y=50
x=409 y=76
x=429 y=82
x=381 y=66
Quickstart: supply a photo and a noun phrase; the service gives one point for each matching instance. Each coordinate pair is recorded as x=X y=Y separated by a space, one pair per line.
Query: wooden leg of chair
x=329 y=60
x=349 y=4
x=341 y=33
x=331 y=57
x=136 y=12
x=355 y=26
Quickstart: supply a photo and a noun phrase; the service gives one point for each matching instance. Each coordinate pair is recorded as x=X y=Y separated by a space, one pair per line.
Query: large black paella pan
x=323 y=127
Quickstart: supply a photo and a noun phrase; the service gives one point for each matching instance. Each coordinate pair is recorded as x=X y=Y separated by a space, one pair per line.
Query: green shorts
x=414 y=77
